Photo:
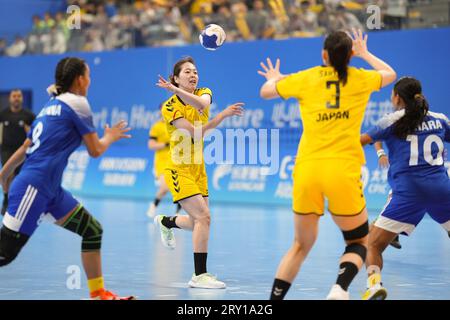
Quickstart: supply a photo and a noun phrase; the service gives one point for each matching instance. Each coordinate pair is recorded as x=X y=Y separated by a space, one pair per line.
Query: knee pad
x=358 y=249
x=84 y=224
x=357 y=233
x=11 y=242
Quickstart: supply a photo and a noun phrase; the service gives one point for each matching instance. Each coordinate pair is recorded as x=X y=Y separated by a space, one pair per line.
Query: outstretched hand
x=271 y=72
x=359 y=43
x=118 y=131
x=234 y=110
x=163 y=83
x=383 y=162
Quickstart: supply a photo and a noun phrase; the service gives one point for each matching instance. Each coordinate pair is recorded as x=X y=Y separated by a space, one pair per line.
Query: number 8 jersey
x=332 y=113
x=56 y=132
x=417 y=162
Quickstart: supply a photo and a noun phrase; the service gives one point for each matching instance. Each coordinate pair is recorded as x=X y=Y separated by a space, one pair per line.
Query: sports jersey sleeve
x=292 y=85
x=379 y=133
x=202 y=91
x=172 y=111
x=384 y=126
x=154 y=132
x=373 y=79
x=82 y=115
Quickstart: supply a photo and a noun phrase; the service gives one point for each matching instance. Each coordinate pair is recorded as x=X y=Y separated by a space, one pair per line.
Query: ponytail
x=339 y=47
x=416 y=106
x=52 y=90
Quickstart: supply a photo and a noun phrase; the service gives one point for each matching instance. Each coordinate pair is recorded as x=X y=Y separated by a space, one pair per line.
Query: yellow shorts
x=186 y=181
x=338 y=180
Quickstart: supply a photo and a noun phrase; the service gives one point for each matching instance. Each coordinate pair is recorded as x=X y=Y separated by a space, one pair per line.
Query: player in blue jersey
x=61 y=126
x=420 y=184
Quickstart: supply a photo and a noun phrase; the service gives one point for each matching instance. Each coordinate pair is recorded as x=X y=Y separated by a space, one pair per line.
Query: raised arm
x=198 y=102
x=388 y=75
x=97 y=146
x=272 y=75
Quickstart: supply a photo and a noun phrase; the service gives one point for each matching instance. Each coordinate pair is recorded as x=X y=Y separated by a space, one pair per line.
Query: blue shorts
x=402 y=215
x=27 y=207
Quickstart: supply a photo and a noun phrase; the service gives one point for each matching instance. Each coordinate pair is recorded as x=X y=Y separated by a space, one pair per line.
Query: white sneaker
x=151 y=211
x=337 y=293
x=167 y=235
x=206 y=281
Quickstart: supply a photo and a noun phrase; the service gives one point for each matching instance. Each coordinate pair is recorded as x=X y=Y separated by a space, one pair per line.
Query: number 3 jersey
x=332 y=113
x=56 y=132
x=417 y=162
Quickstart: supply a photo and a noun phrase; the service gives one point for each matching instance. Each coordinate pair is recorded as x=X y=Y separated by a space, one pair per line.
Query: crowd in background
x=121 y=24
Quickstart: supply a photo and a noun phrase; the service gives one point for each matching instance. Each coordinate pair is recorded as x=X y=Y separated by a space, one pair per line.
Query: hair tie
x=52 y=90
x=418 y=96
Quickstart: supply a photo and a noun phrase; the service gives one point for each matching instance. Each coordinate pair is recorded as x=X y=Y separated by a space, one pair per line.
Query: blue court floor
x=246 y=245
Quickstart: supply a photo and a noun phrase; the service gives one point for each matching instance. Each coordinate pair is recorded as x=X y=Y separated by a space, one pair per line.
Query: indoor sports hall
x=249 y=159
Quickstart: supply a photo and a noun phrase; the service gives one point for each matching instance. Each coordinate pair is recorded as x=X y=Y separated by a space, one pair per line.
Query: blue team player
x=420 y=184
x=61 y=126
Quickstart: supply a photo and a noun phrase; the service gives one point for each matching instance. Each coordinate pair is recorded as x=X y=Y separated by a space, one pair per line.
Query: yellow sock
x=96 y=284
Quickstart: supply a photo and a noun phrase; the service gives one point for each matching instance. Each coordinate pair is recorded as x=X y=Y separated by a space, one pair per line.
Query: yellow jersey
x=332 y=113
x=159 y=132
x=174 y=108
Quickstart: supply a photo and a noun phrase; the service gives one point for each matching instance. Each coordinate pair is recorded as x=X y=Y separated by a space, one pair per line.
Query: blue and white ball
x=212 y=37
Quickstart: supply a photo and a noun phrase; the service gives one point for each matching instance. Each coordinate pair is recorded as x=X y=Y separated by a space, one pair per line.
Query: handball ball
x=212 y=37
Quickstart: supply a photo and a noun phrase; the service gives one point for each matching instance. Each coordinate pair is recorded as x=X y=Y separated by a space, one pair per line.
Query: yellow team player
x=332 y=99
x=159 y=141
x=186 y=115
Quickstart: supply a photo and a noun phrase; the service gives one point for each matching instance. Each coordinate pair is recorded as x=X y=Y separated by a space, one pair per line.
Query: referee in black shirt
x=15 y=122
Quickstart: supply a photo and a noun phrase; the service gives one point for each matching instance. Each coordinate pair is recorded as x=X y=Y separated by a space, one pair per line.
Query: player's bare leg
x=355 y=229
x=306 y=230
x=379 y=239
x=160 y=194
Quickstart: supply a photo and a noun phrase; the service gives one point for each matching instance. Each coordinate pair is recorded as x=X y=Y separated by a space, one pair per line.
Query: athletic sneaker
x=375 y=290
x=151 y=211
x=167 y=235
x=337 y=293
x=206 y=281
x=396 y=243
x=108 y=295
